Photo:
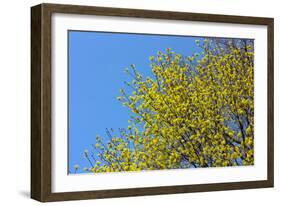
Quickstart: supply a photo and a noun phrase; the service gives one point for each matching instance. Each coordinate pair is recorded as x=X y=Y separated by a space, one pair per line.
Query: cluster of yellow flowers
x=194 y=112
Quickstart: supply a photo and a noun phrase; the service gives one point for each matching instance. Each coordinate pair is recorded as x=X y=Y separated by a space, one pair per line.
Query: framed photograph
x=129 y=102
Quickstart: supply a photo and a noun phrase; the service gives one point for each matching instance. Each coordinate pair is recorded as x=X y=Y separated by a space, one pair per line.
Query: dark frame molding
x=41 y=101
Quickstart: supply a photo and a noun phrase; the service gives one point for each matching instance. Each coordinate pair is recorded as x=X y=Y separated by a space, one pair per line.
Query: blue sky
x=96 y=73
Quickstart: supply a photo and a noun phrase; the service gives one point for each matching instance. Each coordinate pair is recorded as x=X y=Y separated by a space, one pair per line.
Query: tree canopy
x=195 y=111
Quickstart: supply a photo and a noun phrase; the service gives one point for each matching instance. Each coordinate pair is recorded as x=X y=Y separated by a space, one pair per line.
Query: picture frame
x=43 y=89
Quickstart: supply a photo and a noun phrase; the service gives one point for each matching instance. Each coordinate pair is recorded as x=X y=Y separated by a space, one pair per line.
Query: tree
x=193 y=112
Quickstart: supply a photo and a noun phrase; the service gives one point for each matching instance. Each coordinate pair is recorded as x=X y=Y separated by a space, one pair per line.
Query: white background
x=15 y=102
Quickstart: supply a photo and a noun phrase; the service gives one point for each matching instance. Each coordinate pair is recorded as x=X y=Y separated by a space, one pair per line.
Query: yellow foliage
x=193 y=112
